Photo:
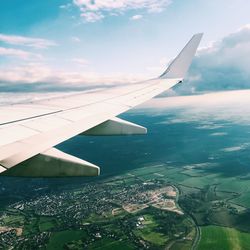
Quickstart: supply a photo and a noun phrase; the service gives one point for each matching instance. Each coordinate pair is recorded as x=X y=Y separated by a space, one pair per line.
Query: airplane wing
x=29 y=131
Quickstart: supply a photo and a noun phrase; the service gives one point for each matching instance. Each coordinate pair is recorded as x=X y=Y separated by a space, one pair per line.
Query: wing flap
x=116 y=126
x=53 y=163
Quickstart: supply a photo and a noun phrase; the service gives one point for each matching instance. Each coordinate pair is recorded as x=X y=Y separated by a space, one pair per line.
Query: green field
x=111 y=245
x=199 y=179
x=46 y=223
x=222 y=238
x=14 y=220
x=243 y=200
x=148 y=232
x=234 y=184
x=58 y=239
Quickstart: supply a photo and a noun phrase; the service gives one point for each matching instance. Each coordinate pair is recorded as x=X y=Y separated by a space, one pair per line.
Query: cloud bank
x=37 y=43
x=18 y=53
x=35 y=76
x=93 y=11
x=217 y=113
x=207 y=109
x=28 y=51
x=224 y=65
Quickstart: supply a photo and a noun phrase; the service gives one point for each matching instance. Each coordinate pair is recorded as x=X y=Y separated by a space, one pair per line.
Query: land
x=125 y=209
x=193 y=193
x=146 y=208
x=215 y=237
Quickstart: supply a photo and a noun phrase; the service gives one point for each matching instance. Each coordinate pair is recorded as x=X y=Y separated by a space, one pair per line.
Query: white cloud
x=233 y=149
x=65 y=6
x=96 y=10
x=219 y=134
x=80 y=61
x=22 y=54
x=38 y=74
x=26 y=73
x=76 y=39
x=222 y=65
x=210 y=110
x=136 y=17
x=236 y=148
x=92 y=17
x=37 y=43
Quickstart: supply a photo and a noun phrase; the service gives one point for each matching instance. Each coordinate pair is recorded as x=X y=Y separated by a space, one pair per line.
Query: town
x=33 y=221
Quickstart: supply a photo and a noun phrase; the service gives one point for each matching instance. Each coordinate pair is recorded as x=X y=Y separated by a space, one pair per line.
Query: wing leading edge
x=29 y=131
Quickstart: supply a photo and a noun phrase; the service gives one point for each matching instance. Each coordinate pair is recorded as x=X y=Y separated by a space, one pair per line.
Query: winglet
x=180 y=65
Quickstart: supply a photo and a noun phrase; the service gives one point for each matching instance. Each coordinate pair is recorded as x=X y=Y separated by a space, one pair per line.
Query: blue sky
x=86 y=42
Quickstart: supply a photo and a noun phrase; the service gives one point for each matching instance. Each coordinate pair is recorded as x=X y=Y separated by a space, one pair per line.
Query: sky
x=53 y=45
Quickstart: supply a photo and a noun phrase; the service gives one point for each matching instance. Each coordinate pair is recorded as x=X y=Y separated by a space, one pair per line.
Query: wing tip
x=199 y=34
x=180 y=65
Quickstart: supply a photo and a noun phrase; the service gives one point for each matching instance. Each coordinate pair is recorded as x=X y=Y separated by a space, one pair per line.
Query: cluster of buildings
x=75 y=207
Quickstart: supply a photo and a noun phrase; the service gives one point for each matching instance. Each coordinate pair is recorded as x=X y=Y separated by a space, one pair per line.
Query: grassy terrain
x=243 y=200
x=235 y=185
x=149 y=233
x=198 y=179
x=58 y=239
x=31 y=226
x=111 y=245
x=214 y=237
x=13 y=220
x=182 y=245
x=45 y=224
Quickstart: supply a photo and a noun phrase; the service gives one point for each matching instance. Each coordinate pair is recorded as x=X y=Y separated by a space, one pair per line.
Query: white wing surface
x=29 y=131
